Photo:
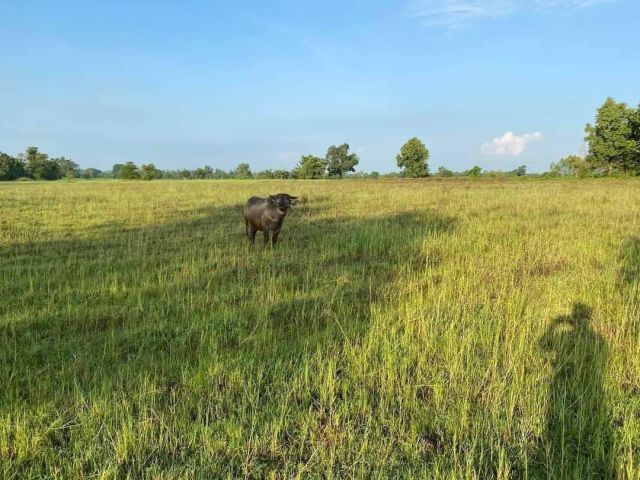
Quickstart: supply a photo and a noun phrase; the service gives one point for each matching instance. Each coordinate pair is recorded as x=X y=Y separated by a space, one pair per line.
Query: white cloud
x=510 y=144
x=457 y=13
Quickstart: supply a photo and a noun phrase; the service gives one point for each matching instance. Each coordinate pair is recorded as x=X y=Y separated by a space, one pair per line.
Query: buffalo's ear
x=292 y=198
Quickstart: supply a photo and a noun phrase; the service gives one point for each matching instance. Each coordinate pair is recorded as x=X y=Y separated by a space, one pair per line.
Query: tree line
x=37 y=165
x=338 y=162
x=613 y=148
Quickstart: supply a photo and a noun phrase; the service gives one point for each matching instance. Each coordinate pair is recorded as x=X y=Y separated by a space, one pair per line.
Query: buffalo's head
x=282 y=201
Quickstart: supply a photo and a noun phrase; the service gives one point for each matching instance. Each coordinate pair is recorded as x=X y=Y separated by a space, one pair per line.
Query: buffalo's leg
x=251 y=233
x=274 y=236
x=265 y=234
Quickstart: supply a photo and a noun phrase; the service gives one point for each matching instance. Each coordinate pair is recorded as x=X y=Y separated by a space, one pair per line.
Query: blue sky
x=498 y=83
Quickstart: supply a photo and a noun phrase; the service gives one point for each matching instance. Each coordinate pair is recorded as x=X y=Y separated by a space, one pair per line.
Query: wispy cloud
x=510 y=144
x=458 y=13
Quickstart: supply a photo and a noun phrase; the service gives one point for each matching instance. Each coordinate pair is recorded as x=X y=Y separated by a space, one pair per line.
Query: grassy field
x=400 y=329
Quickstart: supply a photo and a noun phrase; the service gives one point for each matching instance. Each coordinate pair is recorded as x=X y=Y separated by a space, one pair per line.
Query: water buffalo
x=266 y=215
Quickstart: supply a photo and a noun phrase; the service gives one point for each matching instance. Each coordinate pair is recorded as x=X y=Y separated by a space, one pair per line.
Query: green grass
x=400 y=329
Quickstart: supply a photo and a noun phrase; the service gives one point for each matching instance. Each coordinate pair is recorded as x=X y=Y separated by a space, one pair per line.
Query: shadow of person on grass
x=578 y=441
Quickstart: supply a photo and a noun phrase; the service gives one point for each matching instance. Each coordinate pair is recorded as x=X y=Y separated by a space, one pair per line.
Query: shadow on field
x=188 y=317
x=578 y=441
x=630 y=261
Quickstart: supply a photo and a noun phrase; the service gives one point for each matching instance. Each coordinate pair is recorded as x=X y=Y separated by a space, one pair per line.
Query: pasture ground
x=440 y=328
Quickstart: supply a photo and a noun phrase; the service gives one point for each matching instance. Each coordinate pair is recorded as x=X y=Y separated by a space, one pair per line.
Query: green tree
x=128 y=171
x=474 y=171
x=521 y=171
x=185 y=173
x=150 y=172
x=90 y=173
x=310 y=166
x=203 y=173
x=413 y=158
x=560 y=168
x=115 y=170
x=264 y=174
x=220 y=174
x=610 y=138
x=340 y=161
x=243 y=170
x=39 y=166
x=573 y=165
x=68 y=168
x=11 y=168
x=444 y=172
x=281 y=174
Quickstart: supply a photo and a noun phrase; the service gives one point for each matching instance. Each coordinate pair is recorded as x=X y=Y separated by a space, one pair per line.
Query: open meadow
x=438 y=328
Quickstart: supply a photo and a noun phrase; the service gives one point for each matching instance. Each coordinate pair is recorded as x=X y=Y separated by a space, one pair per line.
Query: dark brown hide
x=266 y=215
